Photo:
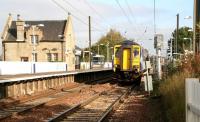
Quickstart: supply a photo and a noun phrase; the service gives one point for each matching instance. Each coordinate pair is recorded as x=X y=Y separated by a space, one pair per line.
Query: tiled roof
x=51 y=29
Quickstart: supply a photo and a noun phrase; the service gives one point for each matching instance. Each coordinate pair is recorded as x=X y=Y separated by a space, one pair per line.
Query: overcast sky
x=134 y=19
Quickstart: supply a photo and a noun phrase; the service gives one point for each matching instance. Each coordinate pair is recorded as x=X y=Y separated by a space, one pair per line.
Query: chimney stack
x=18 y=16
x=20 y=28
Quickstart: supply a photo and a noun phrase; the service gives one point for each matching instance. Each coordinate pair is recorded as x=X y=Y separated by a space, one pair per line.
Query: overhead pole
x=194 y=26
x=154 y=11
x=158 y=48
x=177 y=32
x=90 y=42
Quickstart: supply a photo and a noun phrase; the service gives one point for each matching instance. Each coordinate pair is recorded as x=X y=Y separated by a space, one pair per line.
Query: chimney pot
x=18 y=16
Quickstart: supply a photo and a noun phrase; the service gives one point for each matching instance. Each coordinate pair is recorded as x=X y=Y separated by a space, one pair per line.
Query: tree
x=184 y=38
x=113 y=37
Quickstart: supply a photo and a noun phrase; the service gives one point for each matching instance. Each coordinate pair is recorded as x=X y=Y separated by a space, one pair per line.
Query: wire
x=130 y=11
x=94 y=10
x=124 y=12
x=100 y=16
x=74 y=8
x=126 y=15
x=78 y=10
x=132 y=14
x=77 y=18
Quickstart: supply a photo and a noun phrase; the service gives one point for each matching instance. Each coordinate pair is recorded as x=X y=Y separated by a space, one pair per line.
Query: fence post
x=189 y=86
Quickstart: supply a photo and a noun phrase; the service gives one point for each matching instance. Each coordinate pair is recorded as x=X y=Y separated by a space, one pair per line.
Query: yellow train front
x=127 y=62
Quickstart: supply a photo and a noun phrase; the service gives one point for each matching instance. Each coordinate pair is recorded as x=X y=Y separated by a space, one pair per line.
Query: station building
x=39 y=41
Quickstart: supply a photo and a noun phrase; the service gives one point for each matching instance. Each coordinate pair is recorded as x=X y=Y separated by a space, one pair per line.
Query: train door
x=126 y=59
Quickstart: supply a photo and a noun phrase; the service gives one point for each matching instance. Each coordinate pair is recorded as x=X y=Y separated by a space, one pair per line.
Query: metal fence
x=192 y=100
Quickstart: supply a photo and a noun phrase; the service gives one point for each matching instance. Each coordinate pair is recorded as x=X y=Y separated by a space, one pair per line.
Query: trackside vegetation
x=172 y=89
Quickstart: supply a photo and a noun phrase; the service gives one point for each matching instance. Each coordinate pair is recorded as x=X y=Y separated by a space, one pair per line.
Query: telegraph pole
x=90 y=42
x=154 y=11
x=177 y=32
x=196 y=6
x=157 y=41
x=107 y=52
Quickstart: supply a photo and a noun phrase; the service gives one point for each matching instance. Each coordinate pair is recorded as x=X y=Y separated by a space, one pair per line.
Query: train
x=127 y=64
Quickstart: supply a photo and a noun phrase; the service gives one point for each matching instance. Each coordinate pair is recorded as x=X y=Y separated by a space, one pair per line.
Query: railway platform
x=27 y=84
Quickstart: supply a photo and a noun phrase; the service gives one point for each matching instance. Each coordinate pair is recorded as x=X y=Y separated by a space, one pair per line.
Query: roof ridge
x=42 y=20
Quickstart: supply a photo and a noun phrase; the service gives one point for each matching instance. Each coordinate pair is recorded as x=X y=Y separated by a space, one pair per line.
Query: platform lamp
x=33 y=40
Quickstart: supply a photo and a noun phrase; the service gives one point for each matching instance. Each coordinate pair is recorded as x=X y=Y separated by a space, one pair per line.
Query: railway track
x=39 y=102
x=23 y=107
x=95 y=108
x=133 y=109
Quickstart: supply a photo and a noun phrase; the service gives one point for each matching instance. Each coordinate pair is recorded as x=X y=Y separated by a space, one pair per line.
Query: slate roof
x=51 y=29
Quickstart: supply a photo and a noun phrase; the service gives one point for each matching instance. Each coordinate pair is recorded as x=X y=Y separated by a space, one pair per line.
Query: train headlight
x=136 y=68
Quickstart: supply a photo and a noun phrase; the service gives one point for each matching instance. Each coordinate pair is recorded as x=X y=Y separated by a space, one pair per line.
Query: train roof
x=128 y=42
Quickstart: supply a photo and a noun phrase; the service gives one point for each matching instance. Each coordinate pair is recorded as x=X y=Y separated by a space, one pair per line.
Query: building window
x=24 y=59
x=49 y=57
x=34 y=38
x=55 y=57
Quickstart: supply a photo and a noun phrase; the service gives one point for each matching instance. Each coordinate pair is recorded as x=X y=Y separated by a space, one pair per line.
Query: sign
x=148 y=78
x=158 y=41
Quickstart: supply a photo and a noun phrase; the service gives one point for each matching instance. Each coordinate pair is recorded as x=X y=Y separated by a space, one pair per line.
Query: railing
x=192 y=86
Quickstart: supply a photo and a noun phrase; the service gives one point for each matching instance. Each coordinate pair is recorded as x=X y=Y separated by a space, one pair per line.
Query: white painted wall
x=50 y=67
x=86 y=65
x=108 y=65
x=12 y=68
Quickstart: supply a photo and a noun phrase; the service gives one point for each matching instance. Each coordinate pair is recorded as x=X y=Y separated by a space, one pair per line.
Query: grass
x=173 y=97
x=172 y=89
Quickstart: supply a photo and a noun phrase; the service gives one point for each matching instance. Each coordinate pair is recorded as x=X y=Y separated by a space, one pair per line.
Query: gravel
x=42 y=113
x=137 y=108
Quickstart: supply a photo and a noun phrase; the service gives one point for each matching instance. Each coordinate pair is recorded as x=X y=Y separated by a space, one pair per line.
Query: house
x=39 y=41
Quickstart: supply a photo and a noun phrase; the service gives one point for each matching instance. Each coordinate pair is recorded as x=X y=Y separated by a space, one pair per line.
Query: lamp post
x=61 y=36
x=188 y=17
x=33 y=39
x=111 y=52
x=190 y=42
x=107 y=46
x=98 y=47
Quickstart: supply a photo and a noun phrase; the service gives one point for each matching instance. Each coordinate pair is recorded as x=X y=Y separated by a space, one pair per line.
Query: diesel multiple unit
x=127 y=62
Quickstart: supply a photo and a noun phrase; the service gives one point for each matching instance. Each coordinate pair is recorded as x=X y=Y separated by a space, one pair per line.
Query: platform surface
x=19 y=77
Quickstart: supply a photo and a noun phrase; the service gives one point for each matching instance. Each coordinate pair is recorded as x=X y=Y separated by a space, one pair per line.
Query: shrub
x=173 y=88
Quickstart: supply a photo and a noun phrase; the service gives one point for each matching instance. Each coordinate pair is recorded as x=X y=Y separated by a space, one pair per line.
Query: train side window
x=136 y=52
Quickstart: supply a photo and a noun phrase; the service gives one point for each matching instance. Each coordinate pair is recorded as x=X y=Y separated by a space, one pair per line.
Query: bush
x=173 y=88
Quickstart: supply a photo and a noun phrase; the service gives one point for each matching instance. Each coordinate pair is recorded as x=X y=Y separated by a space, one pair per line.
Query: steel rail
x=114 y=104
x=63 y=115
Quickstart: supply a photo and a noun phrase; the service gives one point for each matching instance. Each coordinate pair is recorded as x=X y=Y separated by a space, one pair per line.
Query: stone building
x=39 y=41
